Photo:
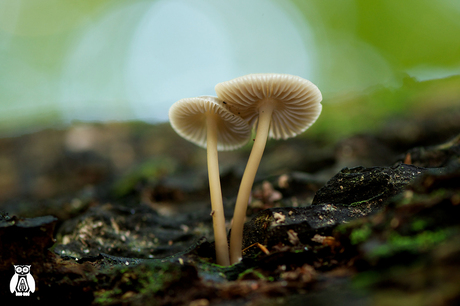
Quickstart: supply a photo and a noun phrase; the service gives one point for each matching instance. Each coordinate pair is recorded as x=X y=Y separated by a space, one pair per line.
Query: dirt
x=119 y=213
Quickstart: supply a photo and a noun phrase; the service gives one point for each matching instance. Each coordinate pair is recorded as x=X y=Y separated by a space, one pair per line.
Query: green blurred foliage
x=362 y=41
x=35 y=36
x=359 y=44
x=379 y=42
x=369 y=110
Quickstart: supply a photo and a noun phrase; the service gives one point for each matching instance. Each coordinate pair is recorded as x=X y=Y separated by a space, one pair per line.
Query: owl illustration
x=22 y=281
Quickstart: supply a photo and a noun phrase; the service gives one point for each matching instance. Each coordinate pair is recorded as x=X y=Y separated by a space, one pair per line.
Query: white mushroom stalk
x=217 y=206
x=280 y=106
x=206 y=122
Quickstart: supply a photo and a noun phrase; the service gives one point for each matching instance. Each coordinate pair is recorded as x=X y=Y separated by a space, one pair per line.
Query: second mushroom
x=280 y=106
x=207 y=123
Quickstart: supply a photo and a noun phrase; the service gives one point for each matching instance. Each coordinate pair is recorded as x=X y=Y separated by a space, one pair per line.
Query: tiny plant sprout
x=279 y=106
x=206 y=122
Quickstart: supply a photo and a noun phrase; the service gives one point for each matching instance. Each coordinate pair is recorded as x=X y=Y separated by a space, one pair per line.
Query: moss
x=413 y=244
x=418 y=225
x=154 y=281
x=253 y=273
x=106 y=296
x=360 y=235
x=147 y=279
x=374 y=198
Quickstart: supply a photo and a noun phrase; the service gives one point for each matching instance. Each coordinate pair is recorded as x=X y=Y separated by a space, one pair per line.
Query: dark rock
x=128 y=232
x=417 y=233
x=368 y=186
x=351 y=194
x=25 y=241
x=277 y=225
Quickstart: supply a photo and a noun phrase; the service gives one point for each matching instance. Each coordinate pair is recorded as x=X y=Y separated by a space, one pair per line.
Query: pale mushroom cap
x=188 y=118
x=298 y=101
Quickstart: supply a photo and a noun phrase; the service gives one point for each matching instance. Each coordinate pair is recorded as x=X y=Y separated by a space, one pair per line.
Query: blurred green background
x=100 y=60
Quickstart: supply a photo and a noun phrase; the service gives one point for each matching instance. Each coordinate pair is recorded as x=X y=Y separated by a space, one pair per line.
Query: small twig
x=262 y=247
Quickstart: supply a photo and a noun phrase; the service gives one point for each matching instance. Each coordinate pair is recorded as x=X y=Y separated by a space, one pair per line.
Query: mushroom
x=206 y=122
x=280 y=106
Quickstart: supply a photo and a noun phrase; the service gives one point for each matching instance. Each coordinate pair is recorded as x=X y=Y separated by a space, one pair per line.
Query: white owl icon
x=22 y=282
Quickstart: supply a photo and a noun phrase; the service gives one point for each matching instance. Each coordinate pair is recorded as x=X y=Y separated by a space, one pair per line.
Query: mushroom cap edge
x=298 y=101
x=188 y=118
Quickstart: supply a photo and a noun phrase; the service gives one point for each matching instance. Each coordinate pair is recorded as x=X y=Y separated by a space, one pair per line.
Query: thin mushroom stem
x=239 y=215
x=218 y=218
